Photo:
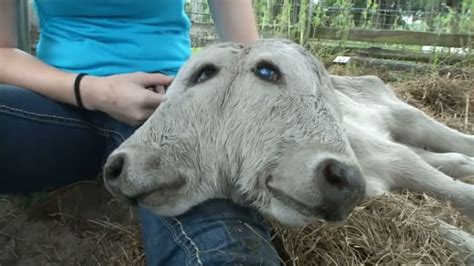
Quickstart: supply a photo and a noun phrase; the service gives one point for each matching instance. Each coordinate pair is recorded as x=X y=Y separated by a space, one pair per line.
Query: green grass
x=195 y=50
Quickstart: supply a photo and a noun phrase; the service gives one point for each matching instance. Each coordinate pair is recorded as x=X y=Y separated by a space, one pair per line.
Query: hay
x=450 y=101
x=393 y=229
x=117 y=244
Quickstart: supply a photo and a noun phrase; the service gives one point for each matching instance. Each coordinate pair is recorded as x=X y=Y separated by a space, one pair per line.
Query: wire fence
x=443 y=17
x=399 y=19
x=404 y=26
x=301 y=19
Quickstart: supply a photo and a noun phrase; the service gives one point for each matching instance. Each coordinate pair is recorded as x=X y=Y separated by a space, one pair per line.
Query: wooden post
x=309 y=20
x=295 y=11
x=397 y=37
x=197 y=11
x=23 y=26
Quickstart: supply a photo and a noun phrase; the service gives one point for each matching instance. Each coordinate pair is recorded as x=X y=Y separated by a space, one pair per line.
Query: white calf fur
x=265 y=125
x=399 y=147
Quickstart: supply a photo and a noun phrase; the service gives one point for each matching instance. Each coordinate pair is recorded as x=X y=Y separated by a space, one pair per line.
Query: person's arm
x=121 y=96
x=234 y=20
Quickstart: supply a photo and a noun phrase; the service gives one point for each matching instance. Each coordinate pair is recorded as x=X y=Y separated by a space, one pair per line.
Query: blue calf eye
x=268 y=73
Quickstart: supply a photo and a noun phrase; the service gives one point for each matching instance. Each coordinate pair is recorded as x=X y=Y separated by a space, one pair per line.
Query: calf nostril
x=334 y=173
x=114 y=168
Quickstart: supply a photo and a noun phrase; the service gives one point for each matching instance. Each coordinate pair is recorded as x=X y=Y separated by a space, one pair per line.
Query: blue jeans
x=45 y=144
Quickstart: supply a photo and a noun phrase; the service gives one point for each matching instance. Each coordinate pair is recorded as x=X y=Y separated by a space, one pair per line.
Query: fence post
x=197 y=11
x=23 y=25
x=309 y=20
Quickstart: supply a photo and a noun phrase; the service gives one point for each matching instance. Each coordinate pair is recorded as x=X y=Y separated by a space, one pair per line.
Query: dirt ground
x=82 y=225
x=78 y=225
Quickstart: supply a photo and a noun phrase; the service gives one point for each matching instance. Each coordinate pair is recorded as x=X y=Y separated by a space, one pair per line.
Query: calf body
x=267 y=126
x=400 y=147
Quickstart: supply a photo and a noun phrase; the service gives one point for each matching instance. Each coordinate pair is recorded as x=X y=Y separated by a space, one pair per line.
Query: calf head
x=258 y=124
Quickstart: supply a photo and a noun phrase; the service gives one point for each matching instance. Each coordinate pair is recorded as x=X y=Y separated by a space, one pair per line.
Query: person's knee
x=216 y=232
x=10 y=92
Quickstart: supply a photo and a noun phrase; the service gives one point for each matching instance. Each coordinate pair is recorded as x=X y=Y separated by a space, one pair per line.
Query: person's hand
x=129 y=98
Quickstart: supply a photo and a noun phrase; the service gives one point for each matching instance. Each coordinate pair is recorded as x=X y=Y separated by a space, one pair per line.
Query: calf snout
x=317 y=185
x=342 y=188
x=337 y=176
x=137 y=174
x=117 y=173
x=116 y=169
x=129 y=172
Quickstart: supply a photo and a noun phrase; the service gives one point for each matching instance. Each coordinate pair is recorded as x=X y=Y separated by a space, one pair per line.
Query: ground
x=82 y=225
x=77 y=225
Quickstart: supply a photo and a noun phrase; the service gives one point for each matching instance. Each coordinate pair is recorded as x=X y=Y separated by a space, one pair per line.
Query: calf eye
x=267 y=72
x=205 y=73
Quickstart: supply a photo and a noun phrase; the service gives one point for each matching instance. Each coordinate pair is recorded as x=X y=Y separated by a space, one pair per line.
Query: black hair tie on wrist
x=77 y=91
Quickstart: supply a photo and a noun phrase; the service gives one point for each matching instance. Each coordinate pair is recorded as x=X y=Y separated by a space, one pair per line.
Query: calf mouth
x=335 y=216
x=146 y=195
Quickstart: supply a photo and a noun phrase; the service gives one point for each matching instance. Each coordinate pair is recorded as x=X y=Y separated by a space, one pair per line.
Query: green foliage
x=195 y=50
x=303 y=20
x=466 y=21
x=428 y=15
x=344 y=19
x=296 y=19
x=319 y=16
x=264 y=12
x=444 y=22
x=283 y=20
x=370 y=8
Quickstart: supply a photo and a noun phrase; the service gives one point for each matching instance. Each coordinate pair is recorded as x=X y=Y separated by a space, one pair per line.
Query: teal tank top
x=105 y=37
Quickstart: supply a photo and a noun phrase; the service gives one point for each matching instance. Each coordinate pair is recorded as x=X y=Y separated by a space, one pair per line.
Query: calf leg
x=453 y=164
x=398 y=167
x=411 y=126
x=409 y=171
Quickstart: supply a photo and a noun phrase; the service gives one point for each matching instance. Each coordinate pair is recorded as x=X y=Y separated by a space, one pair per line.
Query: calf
x=266 y=126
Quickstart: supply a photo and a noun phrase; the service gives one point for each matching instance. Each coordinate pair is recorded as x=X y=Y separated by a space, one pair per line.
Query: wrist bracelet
x=77 y=91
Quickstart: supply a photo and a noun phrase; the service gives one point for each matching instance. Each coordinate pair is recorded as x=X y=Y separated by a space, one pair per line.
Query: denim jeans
x=45 y=144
